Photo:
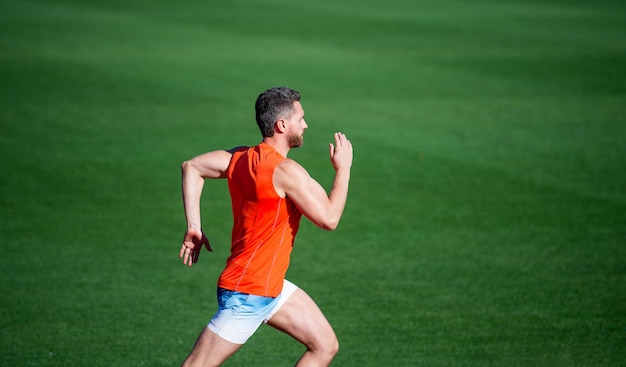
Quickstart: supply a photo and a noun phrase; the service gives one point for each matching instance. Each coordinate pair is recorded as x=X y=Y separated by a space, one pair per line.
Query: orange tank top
x=264 y=226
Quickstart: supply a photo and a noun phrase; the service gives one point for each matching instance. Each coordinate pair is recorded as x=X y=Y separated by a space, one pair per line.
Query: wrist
x=194 y=227
x=343 y=172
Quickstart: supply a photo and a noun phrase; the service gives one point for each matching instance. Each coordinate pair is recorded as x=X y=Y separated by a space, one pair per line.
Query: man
x=269 y=194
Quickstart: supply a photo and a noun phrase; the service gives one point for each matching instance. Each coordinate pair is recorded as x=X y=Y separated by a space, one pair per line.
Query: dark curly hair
x=273 y=104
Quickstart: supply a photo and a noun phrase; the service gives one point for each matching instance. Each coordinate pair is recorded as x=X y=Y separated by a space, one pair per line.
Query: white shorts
x=239 y=315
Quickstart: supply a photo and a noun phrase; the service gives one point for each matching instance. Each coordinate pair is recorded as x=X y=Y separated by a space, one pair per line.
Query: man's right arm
x=293 y=181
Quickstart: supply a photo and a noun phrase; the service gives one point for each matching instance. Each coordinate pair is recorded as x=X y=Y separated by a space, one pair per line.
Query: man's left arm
x=194 y=171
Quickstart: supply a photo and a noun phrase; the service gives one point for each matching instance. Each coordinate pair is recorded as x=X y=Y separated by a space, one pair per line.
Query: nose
x=305 y=124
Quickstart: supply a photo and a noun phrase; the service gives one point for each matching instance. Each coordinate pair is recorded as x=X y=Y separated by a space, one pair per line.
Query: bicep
x=308 y=195
x=210 y=165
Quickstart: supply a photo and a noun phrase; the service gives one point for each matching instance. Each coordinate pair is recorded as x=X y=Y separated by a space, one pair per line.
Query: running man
x=269 y=194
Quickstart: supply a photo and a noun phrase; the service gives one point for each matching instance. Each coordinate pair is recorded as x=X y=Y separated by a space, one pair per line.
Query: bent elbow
x=189 y=170
x=330 y=225
x=188 y=167
x=184 y=165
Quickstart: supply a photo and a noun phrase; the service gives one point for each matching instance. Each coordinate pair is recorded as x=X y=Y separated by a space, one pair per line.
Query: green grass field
x=486 y=223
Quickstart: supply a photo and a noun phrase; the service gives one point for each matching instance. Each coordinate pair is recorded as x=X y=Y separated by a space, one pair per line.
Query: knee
x=334 y=347
x=330 y=349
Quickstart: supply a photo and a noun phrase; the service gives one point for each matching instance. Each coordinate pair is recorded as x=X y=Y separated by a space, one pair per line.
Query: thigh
x=301 y=318
x=210 y=350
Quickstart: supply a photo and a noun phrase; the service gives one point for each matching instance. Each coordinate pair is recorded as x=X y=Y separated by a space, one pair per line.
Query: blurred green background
x=486 y=221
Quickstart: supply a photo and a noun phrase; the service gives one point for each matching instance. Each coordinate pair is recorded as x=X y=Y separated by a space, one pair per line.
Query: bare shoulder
x=289 y=168
x=289 y=174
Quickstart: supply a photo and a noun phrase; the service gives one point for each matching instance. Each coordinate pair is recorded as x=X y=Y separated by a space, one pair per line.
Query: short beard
x=295 y=141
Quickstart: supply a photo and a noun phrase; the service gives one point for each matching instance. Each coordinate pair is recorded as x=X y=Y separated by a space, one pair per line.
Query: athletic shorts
x=239 y=315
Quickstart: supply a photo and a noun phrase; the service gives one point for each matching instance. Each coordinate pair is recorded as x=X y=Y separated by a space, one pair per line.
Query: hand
x=341 y=152
x=192 y=244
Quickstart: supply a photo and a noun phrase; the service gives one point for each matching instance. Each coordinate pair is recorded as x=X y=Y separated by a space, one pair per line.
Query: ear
x=280 y=126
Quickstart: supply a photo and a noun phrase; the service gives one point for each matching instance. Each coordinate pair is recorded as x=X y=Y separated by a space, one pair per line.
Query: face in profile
x=296 y=126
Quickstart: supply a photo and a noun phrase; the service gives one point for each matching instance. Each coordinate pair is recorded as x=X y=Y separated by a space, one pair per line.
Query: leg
x=210 y=350
x=303 y=320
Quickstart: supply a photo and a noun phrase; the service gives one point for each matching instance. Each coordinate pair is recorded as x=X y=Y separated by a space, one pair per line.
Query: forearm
x=338 y=197
x=192 y=185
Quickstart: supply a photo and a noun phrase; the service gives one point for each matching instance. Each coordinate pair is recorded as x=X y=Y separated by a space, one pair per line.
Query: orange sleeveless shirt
x=264 y=227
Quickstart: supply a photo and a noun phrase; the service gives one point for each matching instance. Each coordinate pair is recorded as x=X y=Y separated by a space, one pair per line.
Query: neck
x=280 y=145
